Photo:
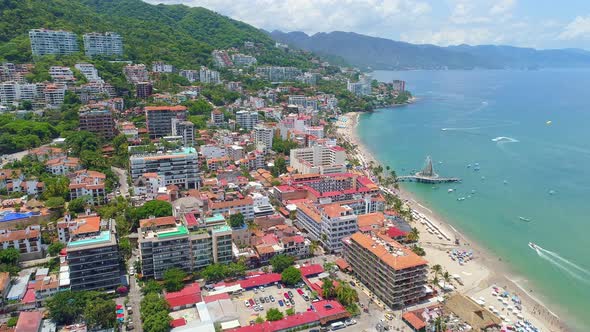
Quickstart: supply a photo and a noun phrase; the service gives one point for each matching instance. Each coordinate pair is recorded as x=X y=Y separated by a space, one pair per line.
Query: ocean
x=520 y=142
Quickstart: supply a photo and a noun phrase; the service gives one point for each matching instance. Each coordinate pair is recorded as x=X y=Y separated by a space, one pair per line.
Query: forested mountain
x=380 y=53
x=180 y=35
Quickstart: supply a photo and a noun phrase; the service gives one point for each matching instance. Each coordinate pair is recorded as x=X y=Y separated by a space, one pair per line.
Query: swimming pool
x=9 y=215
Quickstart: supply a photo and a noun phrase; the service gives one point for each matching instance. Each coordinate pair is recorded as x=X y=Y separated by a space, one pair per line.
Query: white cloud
x=502 y=7
x=579 y=28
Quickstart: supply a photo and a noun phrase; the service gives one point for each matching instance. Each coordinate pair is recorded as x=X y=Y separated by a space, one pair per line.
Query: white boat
x=524 y=219
x=533 y=246
x=450 y=190
x=461 y=198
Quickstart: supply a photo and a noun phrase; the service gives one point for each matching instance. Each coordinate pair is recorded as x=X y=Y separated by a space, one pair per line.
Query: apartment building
x=243 y=60
x=278 y=74
x=52 y=42
x=399 y=85
x=89 y=184
x=263 y=137
x=184 y=129
x=163 y=244
x=247 y=119
x=92 y=256
x=217 y=118
x=213 y=151
x=245 y=206
x=221 y=59
x=190 y=75
x=189 y=244
x=360 y=88
x=103 y=44
x=89 y=71
x=209 y=76
x=136 y=73
x=148 y=185
x=162 y=67
x=54 y=94
x=143 y=89
x=391 y=271
x=27 y=241
x=12 y=91
x=98 y=121
x=328 y=224
x=43 y=153
x=159 y=119
x=319 y=159
x=61 y=74
x=63 y=165
x=178 y=167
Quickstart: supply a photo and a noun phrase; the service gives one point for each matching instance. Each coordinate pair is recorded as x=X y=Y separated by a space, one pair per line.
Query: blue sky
x=527 y=23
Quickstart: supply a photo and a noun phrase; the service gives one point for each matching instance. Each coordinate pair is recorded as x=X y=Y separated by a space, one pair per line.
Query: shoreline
x=480 y=274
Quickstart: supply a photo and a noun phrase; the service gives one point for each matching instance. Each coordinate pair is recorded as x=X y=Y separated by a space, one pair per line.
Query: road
x=123 y=185
x=134 y=294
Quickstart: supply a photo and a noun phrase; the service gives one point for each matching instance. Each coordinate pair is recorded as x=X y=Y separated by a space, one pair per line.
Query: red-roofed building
x=178 y=322
x=343 y=265
x=213 y=298
x=188 y=297
x=396 y=233
x=261 y=280
x=305 y=319
x=417 y=324
x=29 y=321
x=330 y=310
x=311 y=270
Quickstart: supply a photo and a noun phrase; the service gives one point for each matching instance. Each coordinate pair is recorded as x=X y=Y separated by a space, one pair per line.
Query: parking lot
x=263 y=297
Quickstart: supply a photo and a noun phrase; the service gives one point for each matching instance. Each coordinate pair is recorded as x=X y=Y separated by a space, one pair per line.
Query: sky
x=526 y=23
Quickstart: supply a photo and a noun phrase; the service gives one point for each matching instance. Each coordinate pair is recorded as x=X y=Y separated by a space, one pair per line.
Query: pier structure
x=426 y=175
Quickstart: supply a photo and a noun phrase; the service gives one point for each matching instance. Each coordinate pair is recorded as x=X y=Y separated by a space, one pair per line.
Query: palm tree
x=439 y=325
x=446 y=277
x=437 y=269
x=393 y=175
x=346 y=295
x=435 y=280
x=313 y=246
x=328 y=288
x=413 y=236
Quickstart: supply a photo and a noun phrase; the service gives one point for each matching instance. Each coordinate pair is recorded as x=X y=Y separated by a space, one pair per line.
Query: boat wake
x=460 y=129
x=504 y=139
x=564 y=264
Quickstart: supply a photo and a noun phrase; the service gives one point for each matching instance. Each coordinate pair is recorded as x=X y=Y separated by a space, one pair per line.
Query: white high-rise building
x=54 y=42
x=319 y=159
x=184 y=129
x=263 y=138
x=247 y=119
x=190 y=75
x=178 y=167
x=89 y=71
x=209 y=76
x=107 y=44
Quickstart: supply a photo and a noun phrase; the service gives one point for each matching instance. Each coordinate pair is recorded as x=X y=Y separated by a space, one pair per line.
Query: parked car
x=272 y=299
x=261 y=299
x=252 y=303
x=352 y=283
x=266 y=299
x=281 y=303
x=279 y=286
x=292 y=301
x=247 y=303
x=290 y=294
x=349 y=322
x=255 y=290
x=299 y=291
x=286 y=295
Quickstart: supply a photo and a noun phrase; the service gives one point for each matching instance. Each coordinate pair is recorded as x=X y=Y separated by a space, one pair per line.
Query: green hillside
x=181 y=35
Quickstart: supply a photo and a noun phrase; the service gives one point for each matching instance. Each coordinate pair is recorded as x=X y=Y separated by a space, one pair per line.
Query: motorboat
x=524 y=219
x=534 y=246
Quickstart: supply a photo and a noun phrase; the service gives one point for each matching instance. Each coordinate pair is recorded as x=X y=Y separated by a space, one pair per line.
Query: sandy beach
x=478 y=275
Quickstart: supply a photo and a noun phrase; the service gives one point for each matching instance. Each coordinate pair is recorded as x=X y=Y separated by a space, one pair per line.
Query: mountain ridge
x=382 y=53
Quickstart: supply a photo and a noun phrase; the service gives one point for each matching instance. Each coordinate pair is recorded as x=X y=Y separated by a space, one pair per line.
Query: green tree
x=79 y=141
x=11 y=322
x=77 y=205
x=154 y=208
x=174 y=279
x=151 y=286
x=281 y=262
x=346 y=295
x=236 y=220
x=100 y=313
x=291 y=276
x=55 y=248
x=214 y=272
x=413 y=235
x=259 y=320
x=279 y=167
x=290 y=312
x=154 y=313
x=283 y=146
x=9 y=256
x=274 y=314
x=328 y=290
x=66 y=307
x=55 y=203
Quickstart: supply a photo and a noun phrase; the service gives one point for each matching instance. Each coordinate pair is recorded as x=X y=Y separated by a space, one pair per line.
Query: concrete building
x=244 y=206
x=247 y=119
x=136 y=73
x=217 y=118
x=143 y=89
x=89 y=184
x=52 y=42
x=159 y=119
x=243 y=60
x=362 y=87
x=107 y=44
x=213 y=151
x=98 y=121
x=209 y=76
x=92 y=256
x=63 y=165
x=395 y=274
x=54 y=95
x=328 y=224
x=161 y=67
x=148 y=185
x=263 y=137
x=184 y=129
x=177 y=167
x=399 y=85
x=221 y=59
x=27 y=241
x=210 y=240
x=319 y=159
x=89 y=71
x=190 y=75
x=278 y=74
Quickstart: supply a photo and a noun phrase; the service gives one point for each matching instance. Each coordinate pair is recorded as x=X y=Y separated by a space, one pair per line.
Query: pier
x=427 y=175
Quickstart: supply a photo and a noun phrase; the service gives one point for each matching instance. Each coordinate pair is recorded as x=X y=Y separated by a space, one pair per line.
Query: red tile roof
x=190 y=294
x=213 y=298
x=329 y=308
x=342 y=264
x=414 y=321
x=394 y=232
x=288 y=322
x=308 y=270
x=29 y=297
x=161 y=221
x=260 y=280
x=29 y=321
x=178 y=322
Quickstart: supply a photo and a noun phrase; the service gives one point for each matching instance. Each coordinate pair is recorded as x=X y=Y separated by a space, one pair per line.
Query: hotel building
x=107 y=44
x=318 y=159
x=159 y=119
x=53 y=42
x=391 y=271
x=179 y=167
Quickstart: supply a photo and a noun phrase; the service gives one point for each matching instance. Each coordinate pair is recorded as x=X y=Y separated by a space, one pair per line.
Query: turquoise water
x=538 y=171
